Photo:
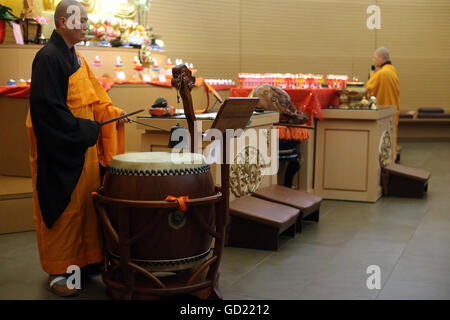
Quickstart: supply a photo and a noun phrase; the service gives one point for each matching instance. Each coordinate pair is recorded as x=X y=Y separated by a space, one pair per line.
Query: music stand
x=234 y=113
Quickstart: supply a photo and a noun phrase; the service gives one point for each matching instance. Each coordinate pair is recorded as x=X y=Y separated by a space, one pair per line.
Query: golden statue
x=91 y=5
x=126 y=11
x=28 y=9
x=50 y=5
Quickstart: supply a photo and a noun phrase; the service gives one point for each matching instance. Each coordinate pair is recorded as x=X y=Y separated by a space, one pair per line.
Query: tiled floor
x=409 y=239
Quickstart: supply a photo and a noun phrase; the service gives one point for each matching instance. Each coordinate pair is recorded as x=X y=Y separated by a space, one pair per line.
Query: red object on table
x=107 y=83
x=220 y=87
x=15 y=91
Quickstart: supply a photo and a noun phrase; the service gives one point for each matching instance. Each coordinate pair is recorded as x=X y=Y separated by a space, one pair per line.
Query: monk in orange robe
x=384 y=84
x=67 y=144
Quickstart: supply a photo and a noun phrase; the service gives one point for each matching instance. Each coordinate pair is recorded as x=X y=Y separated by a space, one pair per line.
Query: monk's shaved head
x=381 y=56
x=71 y=21
x=383 y=53
x=61 y=10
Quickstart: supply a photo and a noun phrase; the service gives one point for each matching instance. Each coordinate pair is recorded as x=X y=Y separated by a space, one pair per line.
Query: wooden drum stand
x=128 y=249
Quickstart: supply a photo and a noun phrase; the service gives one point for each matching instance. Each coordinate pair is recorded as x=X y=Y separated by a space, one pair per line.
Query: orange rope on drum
x=181 y=201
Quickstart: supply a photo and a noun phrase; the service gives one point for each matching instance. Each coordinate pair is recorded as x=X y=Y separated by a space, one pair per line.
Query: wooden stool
x=308 y=204
x=403 y=181
x=257 y=224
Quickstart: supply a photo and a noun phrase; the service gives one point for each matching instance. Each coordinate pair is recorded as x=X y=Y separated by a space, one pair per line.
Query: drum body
x=167 y=239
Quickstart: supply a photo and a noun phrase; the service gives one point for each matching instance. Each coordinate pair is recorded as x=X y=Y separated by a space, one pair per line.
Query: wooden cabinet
x=350 y=144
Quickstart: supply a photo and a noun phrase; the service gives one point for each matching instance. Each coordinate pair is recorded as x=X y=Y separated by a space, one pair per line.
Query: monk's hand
x=123 y=120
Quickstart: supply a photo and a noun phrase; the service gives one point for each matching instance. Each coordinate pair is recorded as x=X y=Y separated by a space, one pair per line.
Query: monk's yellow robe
x=385 y=86
x=75 y=238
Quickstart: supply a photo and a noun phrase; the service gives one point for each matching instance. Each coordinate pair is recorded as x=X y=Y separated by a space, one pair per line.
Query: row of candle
x=220 y=82
x=291 y=81
x=119 y=68
x=136 y=63
x=20 y=83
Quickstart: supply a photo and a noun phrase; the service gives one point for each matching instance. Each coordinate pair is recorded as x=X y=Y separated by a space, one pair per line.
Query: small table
x=350 y=144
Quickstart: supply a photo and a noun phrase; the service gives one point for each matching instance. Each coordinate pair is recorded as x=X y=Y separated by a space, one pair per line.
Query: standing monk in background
x=384 y=84
x=66 y=146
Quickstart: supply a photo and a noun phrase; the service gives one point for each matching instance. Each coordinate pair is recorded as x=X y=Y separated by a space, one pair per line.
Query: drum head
x=158 y=163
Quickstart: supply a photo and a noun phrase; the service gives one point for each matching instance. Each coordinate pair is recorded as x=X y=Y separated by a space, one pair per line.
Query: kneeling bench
x=257 y=224
x=403 y=181
x=308 y=204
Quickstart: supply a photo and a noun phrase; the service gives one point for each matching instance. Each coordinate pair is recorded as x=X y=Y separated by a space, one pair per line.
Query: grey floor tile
x=323 y=292
x=300 y=253
x=230 y=295
x=358 y=261
x=376 y=245
x=24 y=291
x=384 y=231
x=18 y=246
x=432 y=227
x=280 y=282
x=405 y=205
x=236 y=262
x=439 y=184
x=438 y=213
x=429 y=245
x=348 y=278
x=422 y=269
x=327 y=234
x=409 y=290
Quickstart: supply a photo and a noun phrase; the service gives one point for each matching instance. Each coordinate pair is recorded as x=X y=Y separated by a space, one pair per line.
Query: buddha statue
x=50 y=5
x=91 y=5
x=126 y=11
x=28 y=9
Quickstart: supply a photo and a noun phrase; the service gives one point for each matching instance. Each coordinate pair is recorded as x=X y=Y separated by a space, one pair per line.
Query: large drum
x=166 y=239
